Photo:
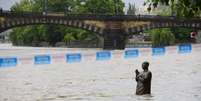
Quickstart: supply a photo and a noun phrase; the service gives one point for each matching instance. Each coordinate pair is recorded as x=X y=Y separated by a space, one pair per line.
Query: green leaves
x=103 y=6
x=162 y=37
x=131 y=9
x=184 y=8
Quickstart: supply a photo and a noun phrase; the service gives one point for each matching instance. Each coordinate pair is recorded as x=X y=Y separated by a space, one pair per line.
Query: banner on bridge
x=131 y=53
x=106 y=55
x=184 y=48
x=8 y=62
x=70 y=58
x=42 y=59
x=158 y=51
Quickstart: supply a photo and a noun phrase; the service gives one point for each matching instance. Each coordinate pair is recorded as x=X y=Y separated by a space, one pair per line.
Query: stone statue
x=143 y=80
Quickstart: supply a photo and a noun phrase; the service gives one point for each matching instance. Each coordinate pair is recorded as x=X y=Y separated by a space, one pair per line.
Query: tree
x=182 y=34
x=162 y=37
x=102 y=6
x=68 y=37
x=131 y=9
x=186 y=8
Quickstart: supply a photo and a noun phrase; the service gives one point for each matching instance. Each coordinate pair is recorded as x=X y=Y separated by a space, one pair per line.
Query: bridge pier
x=114 y=39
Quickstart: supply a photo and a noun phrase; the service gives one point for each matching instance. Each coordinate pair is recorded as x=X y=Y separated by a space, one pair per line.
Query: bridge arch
x=154 y=25
x=19 y=22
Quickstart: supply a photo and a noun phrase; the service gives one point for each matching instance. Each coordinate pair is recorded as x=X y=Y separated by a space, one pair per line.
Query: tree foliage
x=162 y=37
x=131 y=9
x=182 y=34
x=175 y=35
x=186 y=8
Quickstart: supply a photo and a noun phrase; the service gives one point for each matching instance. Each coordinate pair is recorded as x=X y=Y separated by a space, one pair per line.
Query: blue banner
x=131 y=53
x=8 y=62
x=106 y=55
x=158 y=51
x=42 y=59
x=184 y=48
x=73 y=57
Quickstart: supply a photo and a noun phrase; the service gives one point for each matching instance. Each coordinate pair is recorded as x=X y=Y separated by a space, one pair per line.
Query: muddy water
x=176 y=77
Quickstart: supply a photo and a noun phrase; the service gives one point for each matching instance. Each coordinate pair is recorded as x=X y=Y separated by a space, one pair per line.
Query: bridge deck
x=94 y=16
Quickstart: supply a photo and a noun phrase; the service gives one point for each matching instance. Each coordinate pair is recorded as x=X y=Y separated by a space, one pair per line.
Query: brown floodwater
x=176 y=77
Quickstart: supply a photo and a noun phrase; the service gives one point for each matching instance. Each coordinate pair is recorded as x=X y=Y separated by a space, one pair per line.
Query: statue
x=143 y=80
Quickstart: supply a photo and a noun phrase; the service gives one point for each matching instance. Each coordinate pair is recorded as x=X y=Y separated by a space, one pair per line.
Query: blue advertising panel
x=8 y=62
x=158 y=51
x=131 y=53
x=42 y=59
x=106 y=55
x=184 y=48
x=70 y=58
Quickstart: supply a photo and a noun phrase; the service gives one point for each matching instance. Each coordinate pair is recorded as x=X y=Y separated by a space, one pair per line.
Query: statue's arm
x=136 y=79
x=139 y=78
x=145 y=77
x=136 y=75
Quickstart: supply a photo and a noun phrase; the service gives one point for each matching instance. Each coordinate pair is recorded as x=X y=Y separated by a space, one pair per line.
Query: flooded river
x=176 y=77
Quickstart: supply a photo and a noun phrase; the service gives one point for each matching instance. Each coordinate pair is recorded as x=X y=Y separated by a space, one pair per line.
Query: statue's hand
x=137 y=72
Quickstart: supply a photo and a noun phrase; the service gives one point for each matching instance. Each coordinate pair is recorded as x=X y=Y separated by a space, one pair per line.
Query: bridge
x=115 y=29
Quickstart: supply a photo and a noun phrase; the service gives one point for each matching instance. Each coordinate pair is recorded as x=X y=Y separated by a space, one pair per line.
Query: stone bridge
x=113 y=28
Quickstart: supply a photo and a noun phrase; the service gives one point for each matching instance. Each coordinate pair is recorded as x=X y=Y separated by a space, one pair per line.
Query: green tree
x=186 y=8
x=100 y=6
x=131 y=9
x=68 y=37
x=162 y=37
x=180 y=34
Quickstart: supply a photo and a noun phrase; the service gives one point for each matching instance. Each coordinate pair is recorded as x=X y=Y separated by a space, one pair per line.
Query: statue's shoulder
x=149 y=72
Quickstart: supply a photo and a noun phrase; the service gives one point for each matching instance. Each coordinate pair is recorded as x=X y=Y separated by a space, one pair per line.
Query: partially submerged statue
x=143 y=80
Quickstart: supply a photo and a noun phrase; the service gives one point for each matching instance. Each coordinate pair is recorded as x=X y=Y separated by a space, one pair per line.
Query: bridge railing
x=20 y=13
x=91 y=16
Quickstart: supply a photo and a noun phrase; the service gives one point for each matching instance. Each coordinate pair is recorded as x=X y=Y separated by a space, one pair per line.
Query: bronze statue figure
x=143 y=80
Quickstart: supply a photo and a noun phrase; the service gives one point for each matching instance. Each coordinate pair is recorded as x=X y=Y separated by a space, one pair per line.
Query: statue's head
x=145 y=65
